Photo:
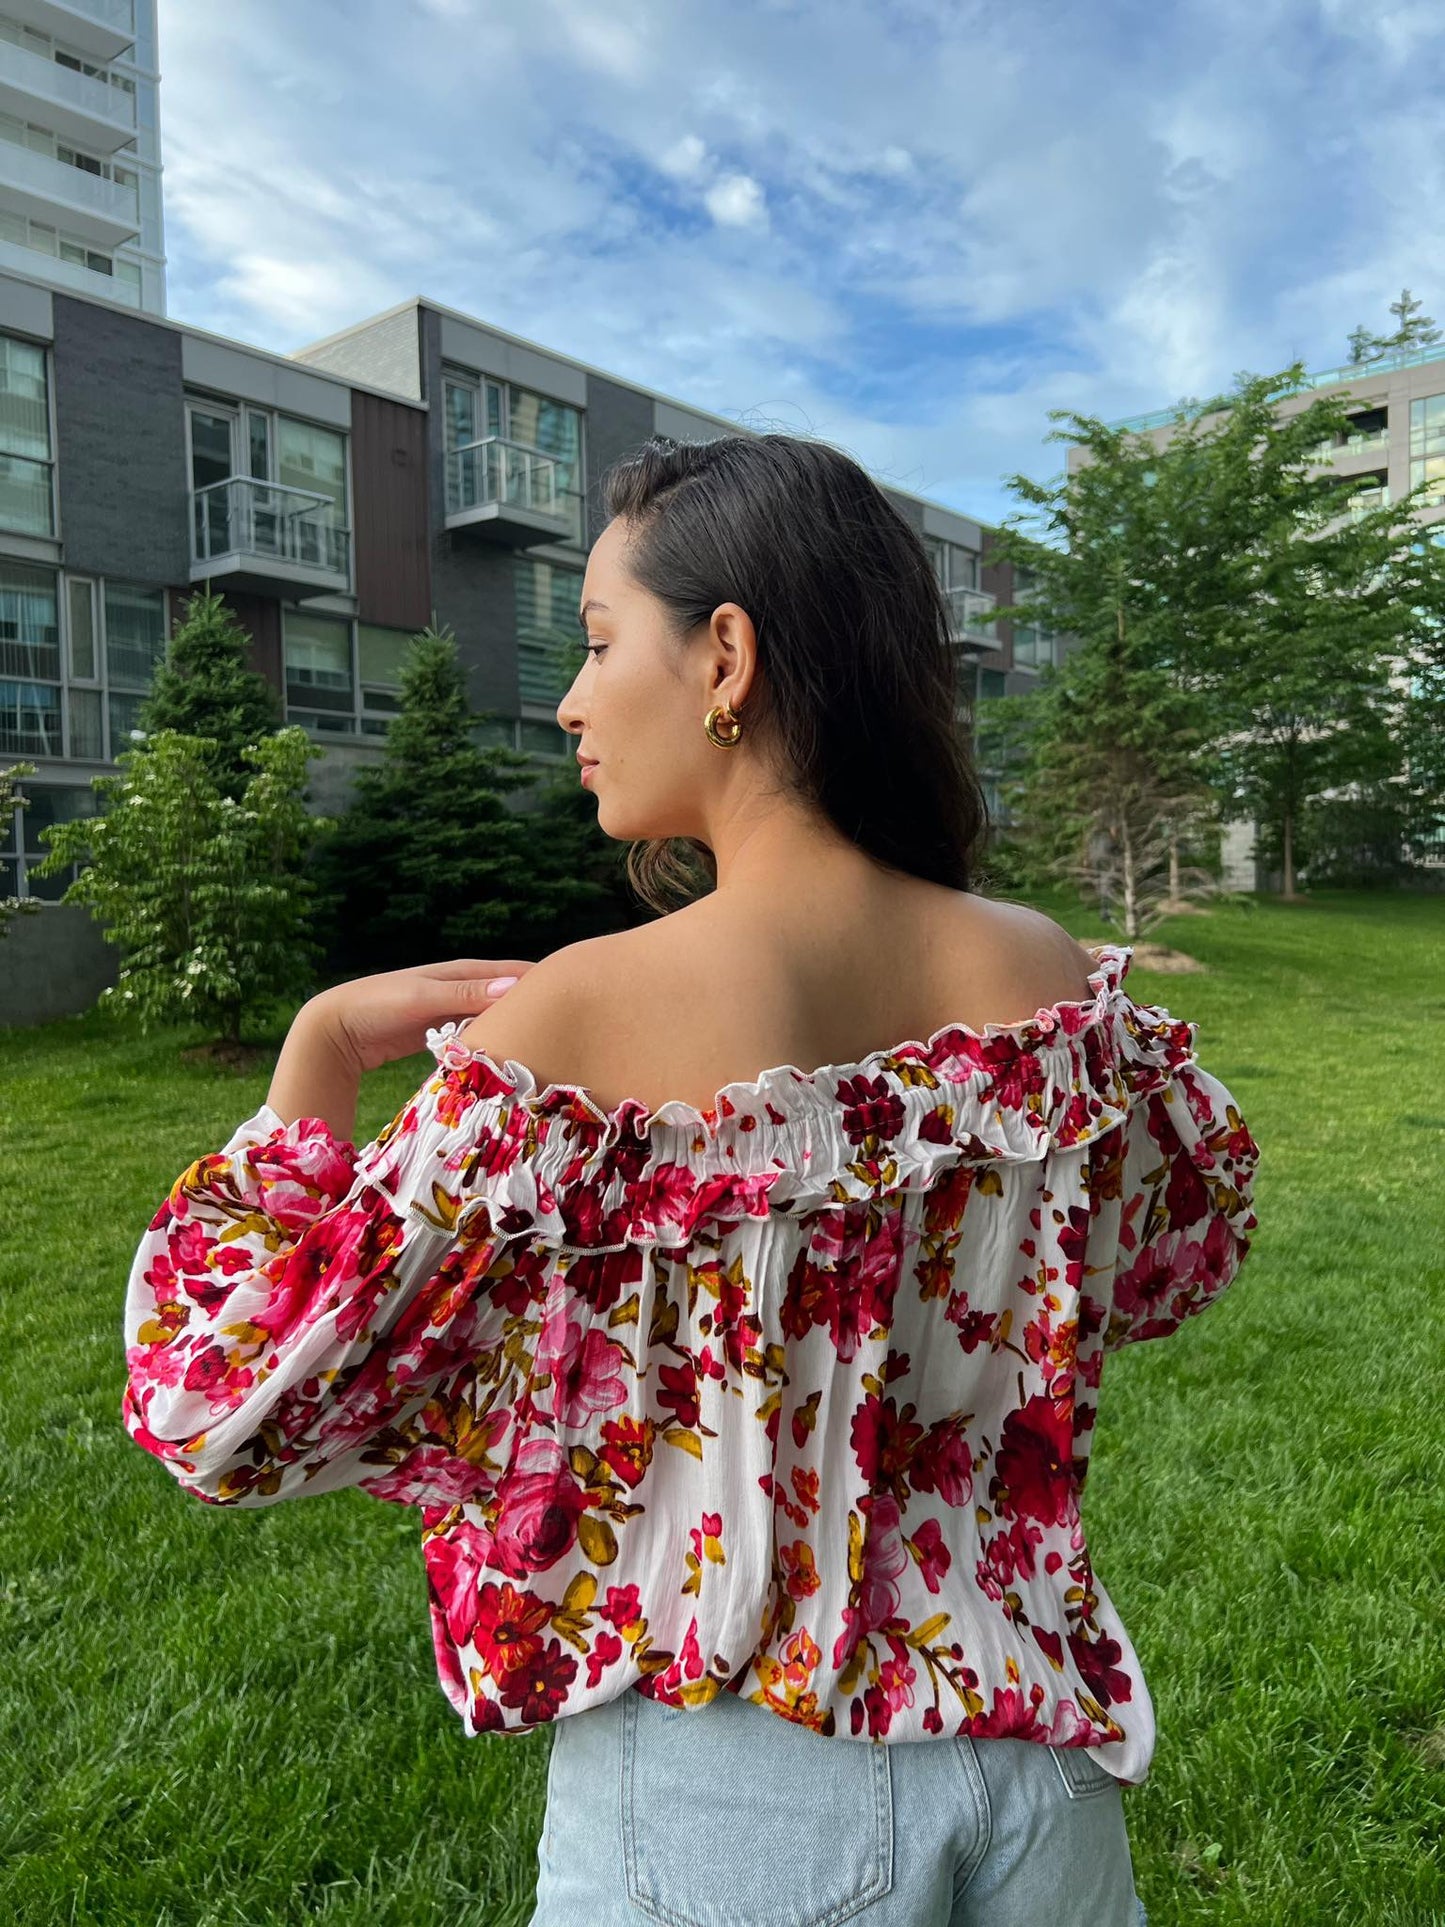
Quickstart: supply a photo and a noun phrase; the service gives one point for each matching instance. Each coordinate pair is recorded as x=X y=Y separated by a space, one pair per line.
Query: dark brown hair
x=857 y=697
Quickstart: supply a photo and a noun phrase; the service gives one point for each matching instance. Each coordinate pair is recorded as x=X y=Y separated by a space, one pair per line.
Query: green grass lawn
x=217 y=1716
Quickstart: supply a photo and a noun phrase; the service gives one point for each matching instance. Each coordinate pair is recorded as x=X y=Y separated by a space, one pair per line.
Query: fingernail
x=499 y=984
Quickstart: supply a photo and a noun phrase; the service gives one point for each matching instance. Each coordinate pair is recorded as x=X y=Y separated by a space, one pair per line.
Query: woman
x=748 y=1412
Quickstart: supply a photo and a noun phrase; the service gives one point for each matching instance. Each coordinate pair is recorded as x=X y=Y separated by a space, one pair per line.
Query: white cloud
x=685 y=158
x=912 y=228
x=736 y=201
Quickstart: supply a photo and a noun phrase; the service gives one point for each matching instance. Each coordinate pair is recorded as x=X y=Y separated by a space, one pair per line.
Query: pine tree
x=428 y=862
x=1413 y=330
x=205 y=689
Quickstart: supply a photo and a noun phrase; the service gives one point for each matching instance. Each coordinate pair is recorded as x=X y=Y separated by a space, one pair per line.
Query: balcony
x=103 y=28
x=268 y=539
x=970 y=614
x=507 y=492
x=69 y=197
x=75 y=106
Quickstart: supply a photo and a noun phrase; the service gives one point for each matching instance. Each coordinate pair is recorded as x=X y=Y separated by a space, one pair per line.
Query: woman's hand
x=372 y=1020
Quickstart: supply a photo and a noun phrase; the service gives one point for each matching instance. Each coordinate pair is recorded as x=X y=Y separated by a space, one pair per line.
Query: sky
x=909 y=227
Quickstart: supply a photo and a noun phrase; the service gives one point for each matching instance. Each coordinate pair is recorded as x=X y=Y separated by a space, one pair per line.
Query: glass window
x=461 y=414
x=81 y=605
x=258 y=429
x=318 y=669
x=135 y=635
x=46 y=806
x=124 y=714
x=30 y=718
x=547 y=594
x=24 y=439
x=312 y=458
x=552 y=426
x=29 y=630
x=1427 y=445
x=954 y=564
x=85 y=737
x=380 y=654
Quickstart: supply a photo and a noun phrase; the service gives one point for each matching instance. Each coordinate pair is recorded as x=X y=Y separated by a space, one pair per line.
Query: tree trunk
x=1131 y=889
x=1288 y=893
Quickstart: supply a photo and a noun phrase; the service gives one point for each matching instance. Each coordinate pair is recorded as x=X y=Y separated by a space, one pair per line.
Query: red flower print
x=537 y=1689
x=508 y=1630
x=678 y=1393
x=1098 y=1663
x=622 y=1605
x=975 y=1328
x=871 y=1108
x=931 y=1550
x=1033 y=1468
x=588 y=1369
x=455 y=1561
x=883 y=1442
x=541 y=1503
x=626 y=1447
x=944 y=1462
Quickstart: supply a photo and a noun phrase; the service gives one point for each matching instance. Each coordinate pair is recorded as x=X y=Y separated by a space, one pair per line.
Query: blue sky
x=911 y=227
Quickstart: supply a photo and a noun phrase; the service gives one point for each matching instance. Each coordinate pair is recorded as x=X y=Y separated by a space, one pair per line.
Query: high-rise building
x=80 y=166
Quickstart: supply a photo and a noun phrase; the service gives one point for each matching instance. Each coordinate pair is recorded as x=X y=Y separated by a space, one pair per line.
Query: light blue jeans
x=728 y=1815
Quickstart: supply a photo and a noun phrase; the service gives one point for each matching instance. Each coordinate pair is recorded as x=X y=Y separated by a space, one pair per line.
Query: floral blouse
x=793 y=1398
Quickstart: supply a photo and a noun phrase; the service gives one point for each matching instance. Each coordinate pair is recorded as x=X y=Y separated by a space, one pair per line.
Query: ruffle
x=506 y=1159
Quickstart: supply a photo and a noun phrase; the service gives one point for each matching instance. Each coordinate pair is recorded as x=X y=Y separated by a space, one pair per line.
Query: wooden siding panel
x=389 y=517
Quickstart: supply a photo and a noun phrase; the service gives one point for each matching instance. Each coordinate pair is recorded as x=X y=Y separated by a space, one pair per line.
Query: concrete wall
x=53 y=963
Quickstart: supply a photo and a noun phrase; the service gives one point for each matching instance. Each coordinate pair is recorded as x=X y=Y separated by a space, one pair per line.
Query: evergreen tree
x=205 y=689
x=428 y=861
x=1412 y=330
x=202 y=894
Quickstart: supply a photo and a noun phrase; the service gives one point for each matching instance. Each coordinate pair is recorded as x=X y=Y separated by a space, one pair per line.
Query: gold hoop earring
x=712 y=726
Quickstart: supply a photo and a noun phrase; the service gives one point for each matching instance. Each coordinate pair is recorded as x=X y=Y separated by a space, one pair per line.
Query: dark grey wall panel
x=472 y=585
x=618 y=420
x=120 y=444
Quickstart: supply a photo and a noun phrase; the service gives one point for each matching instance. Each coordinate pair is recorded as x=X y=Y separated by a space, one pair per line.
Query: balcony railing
x=80 y=107
x=291 y=528
x=970 y=611
x=103 y=27
x=496 y=473
x=102 y=210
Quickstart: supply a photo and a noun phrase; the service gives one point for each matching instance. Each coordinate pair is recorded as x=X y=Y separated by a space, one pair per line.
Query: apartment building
x=80 y=166
x=517 y=438
x=417 y=467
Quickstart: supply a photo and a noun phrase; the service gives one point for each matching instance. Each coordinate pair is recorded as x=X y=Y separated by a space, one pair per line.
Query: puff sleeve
x=301 y=1317
x=1185 y=1183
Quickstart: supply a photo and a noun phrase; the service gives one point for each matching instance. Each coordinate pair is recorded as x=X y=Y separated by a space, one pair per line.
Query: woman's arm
x=314 y=1074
